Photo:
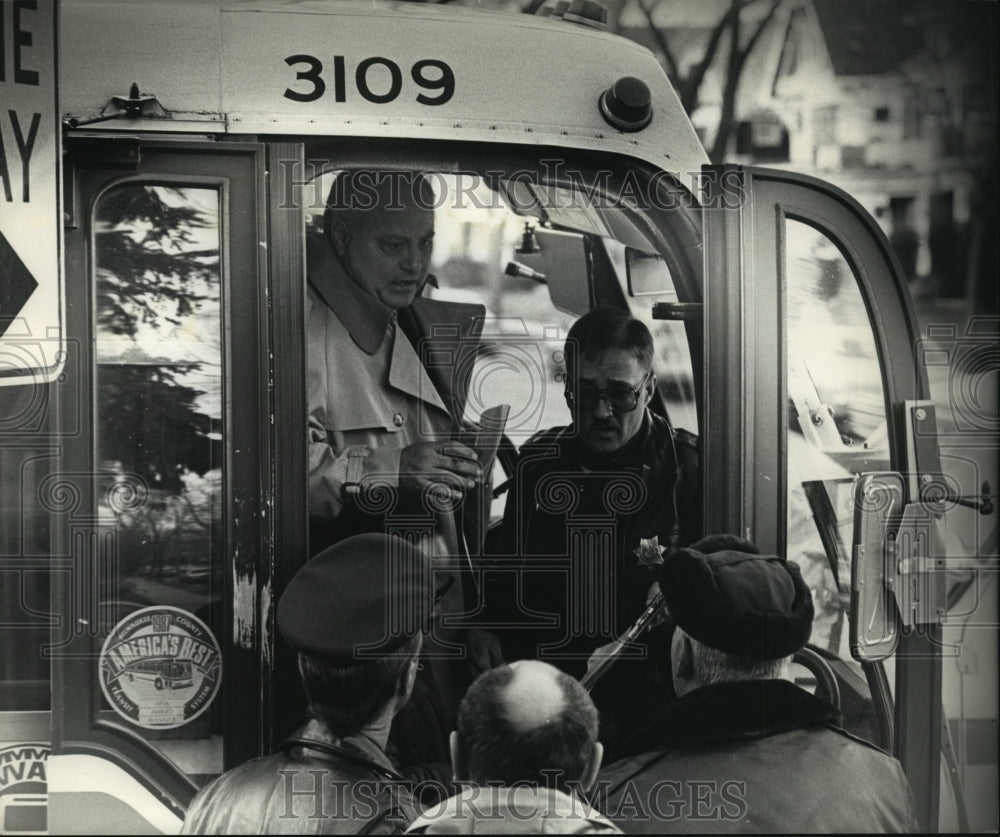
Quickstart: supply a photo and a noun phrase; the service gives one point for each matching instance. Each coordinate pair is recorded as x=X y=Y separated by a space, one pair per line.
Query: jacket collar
x=520 y=809
x=364 y=316
x=732 y=711
x=358 y=748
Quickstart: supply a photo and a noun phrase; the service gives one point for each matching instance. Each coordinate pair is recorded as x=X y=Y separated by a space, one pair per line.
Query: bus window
x=536 y=256
x=837 y=420
x=159 y=421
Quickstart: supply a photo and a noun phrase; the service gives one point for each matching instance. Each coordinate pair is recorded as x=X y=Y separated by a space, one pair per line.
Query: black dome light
x=627 y=104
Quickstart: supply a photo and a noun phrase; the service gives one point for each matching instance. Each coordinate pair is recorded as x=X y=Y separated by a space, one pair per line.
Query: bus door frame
x=745 y=417
x=263 y=511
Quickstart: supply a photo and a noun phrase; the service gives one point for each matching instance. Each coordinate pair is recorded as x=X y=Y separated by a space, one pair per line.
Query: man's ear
x=589 y=777
x=407 y=677
x=459 y=769
x=340 y=235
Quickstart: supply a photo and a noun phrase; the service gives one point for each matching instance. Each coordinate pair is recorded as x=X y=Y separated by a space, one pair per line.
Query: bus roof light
x=627 y=104
x=588 y=13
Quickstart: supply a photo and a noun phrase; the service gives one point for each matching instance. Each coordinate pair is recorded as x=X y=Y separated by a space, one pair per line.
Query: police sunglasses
x=620 y=397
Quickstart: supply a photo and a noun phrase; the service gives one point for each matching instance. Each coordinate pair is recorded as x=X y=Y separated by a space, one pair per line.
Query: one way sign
x=31 y=286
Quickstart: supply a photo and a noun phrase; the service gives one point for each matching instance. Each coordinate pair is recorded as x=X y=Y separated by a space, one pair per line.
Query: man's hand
x=446 y=464
x=484 y=651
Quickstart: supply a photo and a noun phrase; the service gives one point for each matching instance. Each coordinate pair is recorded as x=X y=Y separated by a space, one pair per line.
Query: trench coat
x=380 y=380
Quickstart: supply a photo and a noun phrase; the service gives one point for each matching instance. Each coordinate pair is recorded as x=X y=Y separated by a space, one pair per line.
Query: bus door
x=160 y=500
x=810 y=340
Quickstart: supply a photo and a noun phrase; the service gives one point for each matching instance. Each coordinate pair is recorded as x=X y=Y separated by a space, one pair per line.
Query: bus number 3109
x=429 y=73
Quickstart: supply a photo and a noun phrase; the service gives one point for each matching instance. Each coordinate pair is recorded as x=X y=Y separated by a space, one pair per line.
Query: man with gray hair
x=527 y=749
x=743 y=749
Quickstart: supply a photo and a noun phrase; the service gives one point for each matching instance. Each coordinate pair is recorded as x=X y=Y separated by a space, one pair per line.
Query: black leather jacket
x=557 y=505
x=316 y=784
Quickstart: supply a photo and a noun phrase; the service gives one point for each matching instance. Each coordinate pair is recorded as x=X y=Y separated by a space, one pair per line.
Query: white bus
x=154 y=408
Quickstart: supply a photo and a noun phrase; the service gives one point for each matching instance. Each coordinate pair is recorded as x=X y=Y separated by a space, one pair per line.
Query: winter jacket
x=750 y=757
x=316 y=784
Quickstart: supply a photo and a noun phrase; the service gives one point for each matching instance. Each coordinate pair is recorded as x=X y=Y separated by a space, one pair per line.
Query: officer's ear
x=408 y=676
x=650 y=387
x=459 y=767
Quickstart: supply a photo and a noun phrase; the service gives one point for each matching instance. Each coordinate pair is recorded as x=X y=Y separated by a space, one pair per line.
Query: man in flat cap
x=743 y=749
x=358 y=657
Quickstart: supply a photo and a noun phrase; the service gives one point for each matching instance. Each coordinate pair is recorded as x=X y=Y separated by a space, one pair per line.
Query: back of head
x=528 y=722
x=356 y=614
x=604 y=329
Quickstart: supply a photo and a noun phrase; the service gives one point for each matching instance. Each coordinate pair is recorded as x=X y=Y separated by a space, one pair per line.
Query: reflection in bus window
x=160 y=427
x=837 y=420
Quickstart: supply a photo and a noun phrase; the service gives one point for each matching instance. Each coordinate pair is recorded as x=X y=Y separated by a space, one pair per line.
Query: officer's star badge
x=649 y=552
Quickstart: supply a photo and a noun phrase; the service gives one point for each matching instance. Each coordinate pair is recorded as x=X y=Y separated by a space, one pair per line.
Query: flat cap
x=737 y=601
x=360 y=599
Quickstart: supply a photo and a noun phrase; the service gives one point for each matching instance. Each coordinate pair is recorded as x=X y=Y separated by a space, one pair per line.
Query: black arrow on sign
x=16 y=284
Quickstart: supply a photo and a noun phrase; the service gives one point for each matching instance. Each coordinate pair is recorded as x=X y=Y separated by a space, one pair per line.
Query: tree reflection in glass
x=159 y=382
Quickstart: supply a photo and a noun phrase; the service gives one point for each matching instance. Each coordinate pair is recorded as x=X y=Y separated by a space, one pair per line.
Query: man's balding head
x=533 y=697
x=527 y=722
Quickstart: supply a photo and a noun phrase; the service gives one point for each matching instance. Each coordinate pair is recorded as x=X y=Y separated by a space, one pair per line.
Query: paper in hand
x=492 y=423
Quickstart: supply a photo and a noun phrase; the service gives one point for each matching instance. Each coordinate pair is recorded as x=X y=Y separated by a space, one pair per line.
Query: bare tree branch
x=661 y=43
x=757 y=33
x=734 y=72
x=697 y=75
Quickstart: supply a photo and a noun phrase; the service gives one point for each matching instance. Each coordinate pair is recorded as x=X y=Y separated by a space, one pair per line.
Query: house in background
x=894 y=102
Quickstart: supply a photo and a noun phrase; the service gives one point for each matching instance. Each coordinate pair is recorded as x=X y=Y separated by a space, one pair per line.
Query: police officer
x=743 y=749
x=358 y=657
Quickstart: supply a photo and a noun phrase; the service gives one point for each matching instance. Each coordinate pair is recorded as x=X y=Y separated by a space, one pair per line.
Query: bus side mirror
x=562 y=262
x=879 y=500
x=647 y=274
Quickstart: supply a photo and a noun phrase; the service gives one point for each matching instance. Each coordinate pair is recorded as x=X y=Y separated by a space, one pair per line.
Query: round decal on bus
x=160 y=667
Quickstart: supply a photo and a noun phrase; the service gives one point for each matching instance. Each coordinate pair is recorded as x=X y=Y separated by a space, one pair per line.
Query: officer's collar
x=364 y=316
x=316 y=736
